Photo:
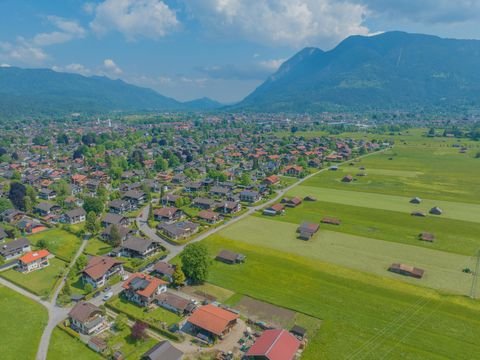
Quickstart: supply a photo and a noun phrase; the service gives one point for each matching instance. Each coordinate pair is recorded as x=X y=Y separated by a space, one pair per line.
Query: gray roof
x=14 y=246
x=75 y=212
x=137 y=244
x=163 y=351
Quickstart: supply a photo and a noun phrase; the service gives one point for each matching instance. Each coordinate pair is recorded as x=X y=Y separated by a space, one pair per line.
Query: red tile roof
x=34 y=256
x=212 y=318
x=150 y=289
x=275 y=344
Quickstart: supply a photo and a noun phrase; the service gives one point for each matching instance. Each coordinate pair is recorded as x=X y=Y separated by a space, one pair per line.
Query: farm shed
x=229 y=257
x=274 y=344
x=436 y=211
x=406 y=270
x=331 y=221
x=418 y=213
x=347 y=178
x=307 y=229
x=426 y=236
x=415 y=200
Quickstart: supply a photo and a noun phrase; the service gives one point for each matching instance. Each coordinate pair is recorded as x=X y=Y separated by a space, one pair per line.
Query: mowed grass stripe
x=451 y=210
x=460 y=237
x=443 y=269
x=354 y=306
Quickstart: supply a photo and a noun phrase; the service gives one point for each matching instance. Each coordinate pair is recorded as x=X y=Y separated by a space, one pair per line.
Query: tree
x=17 y=195
x=66 y=289
x=115 y=237
x=245 y=180
x=93 y=204
x=88 y=288
x=160 y=164
x=5 y=204
x=121 y=322
x=139 y=330
x=91 y=224
x=81 y=262
x=178 y=276
x=27 y=204
x=195 y=262
x=42 y=244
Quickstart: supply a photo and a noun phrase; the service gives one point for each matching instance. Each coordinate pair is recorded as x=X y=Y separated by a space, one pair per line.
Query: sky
x=222 y=49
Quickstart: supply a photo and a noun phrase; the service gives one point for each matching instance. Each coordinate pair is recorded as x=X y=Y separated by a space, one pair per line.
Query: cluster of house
x=19 y=254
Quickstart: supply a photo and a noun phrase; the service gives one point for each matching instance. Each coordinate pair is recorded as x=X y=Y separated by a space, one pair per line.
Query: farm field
x=59 y=242
x=455 y=236
x=40 y=282
x=363 y=316
x=425 y=168
x=443 y=270
x=63 y=346
x=22 y=325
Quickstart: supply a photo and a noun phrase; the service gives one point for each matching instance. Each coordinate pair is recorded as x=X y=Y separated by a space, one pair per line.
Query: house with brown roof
x=230 y=257
x=164 y=350
x=212 y=321
x=293 y=170
x=210 y=217
x=307 y=230
x=271 y=180
x=275 y=209
x=114 y=219
x=175 y=303
x=87 y=318
x=142 y=289
x=164 y=270
x=101 y=268
x=168 y=214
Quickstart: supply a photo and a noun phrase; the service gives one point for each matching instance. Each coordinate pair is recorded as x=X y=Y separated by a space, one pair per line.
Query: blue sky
x=188 y=49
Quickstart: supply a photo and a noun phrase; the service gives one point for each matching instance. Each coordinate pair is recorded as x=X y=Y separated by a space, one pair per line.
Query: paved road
x=174 y=250
x=56 y=314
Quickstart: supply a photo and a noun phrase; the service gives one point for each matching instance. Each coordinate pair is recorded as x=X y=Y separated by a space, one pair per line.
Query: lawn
x=96 y=246
x=157 y=316
x=443 y=270
x=63 y=346
x=349 y=196
x=131 y=349
x=364 y=316
x=40 y=282
x=456 y=236
x=21 y=326
x=59 y=242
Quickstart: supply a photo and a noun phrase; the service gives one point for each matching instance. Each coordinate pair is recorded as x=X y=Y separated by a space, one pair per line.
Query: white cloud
x=135 y=18
x=272 y=64
x=68 y=30
x=286 y=22
x=22 y=51
x=5 y=65
x=73 y=68
x=111 y=68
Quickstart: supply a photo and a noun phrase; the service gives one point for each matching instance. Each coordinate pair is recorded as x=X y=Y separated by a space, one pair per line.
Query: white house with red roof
x=33 y=260
x=142 y=288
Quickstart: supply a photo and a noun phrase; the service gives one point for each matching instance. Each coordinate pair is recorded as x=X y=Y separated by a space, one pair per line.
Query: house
x=274 y=344
x=44 y=209
x=135 y=197
x=114 y=219
x=293 y=170
x=175 y=303
x=203 y=203
x=209 y=216
x=164 y=270
x=92 y=185
x=164 y=350
x=15 y=248
x=426 y=236
x=228 y=207
x=219 y=191
x=168 y=214
x=47 y=194
x=135 y=247
x=212 y=321
x=179 y=230
x=330 y=221
x=193 y=186
x=436 y=211
x=275 y=209
x=87 y=318
x=170 y=200
x=123 y=232
x=100 y=269
x=119 y=206
x=250 y=196
x=347 y=178
x=271 y=180
x=142 y=288
x=75 y=216
x=11 y=215
x=407 y=270
x=307 y=230
x=33 y=260
x=229 y=257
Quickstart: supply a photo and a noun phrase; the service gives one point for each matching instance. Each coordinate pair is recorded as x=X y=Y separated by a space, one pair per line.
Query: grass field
x=21 y=325
x=455 y=236
x=96 y=246
x=63 y=346
x=364 y=316
x=40 y=282
x=156 y=316
x=59 y=242
x=443 y=270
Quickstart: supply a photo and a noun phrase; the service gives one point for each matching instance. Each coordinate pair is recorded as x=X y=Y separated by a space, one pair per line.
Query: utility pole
x=475 y=276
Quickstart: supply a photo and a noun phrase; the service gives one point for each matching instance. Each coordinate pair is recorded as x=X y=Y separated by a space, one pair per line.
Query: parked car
x=107 y=296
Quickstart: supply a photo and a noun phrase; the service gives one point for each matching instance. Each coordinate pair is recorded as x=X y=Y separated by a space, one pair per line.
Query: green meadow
x=58 y=241
x=363 y=316
x=22 y=325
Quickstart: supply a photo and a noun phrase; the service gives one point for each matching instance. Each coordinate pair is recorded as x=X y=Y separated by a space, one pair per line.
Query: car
x=107 y=296
x=125 y=277
x=107 y=289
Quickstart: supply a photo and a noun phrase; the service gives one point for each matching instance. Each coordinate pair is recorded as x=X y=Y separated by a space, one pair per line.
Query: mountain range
x=35 y=92
x=389 y=71
x=393 y=71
